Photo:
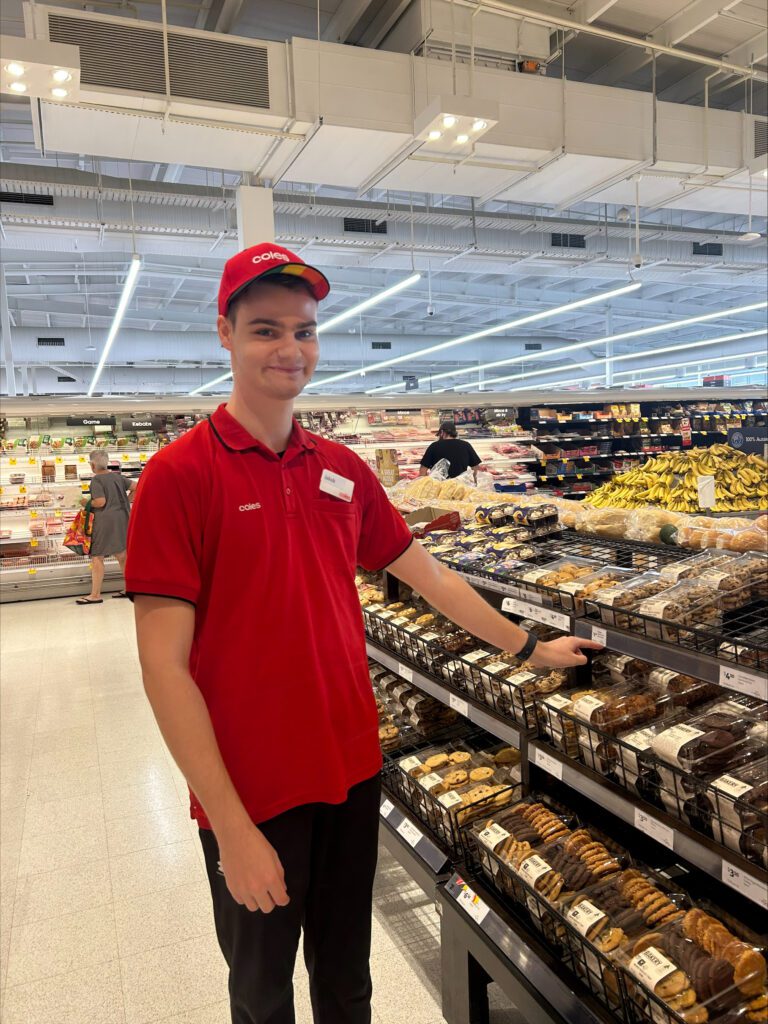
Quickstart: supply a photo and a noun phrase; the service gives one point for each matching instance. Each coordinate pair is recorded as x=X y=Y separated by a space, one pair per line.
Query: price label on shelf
x=32 y=572
x=409 y=832
x=33 y=513
x=22 y=489
x=81 y=458
x=548 y=763
x=12 y=460
x=32 y=460
x=386 y=808
x=33 y=542
x=586 y=458
x=745 y=682
x=458 y=704
x=59 y=460
x=600 y=636
x=471 y=904
x=654 y=828
x=143 y=456
x=406 y=672
x=126 y=458
x=57 y=514
x=744 y=883
x=533 y=611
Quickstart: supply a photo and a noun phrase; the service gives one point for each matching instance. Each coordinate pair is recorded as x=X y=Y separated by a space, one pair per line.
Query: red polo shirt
x=268 y=560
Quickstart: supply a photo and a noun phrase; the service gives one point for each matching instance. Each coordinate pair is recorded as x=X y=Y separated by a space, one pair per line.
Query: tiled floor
x=104 y=907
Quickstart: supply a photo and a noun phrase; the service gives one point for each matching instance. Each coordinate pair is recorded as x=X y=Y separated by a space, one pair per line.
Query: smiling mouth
x=287 y=369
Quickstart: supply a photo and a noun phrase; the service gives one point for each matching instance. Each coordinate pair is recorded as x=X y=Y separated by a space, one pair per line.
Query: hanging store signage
x=387 y=468
x=750 y=440
x=156 y=423
x=411 y=382
x=90 y=421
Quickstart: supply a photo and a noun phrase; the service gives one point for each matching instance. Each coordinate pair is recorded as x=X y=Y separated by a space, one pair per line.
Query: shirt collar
x=234 y=436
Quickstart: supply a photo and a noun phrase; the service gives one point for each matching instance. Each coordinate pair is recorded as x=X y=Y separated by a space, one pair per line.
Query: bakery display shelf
x=733 y=655
x=697 y=850
x=483 y=940
x=493 y=722
x=406 y=838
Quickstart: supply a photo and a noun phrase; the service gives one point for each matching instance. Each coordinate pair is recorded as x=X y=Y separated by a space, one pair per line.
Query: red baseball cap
x=265 y=260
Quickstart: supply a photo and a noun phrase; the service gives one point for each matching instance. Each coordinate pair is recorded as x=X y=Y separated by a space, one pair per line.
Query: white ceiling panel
x=566 y=177
x=448 y=178
x=345 y=157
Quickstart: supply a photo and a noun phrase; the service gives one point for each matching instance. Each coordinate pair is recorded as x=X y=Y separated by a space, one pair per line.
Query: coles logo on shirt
x=249 y=507
x=270 y=256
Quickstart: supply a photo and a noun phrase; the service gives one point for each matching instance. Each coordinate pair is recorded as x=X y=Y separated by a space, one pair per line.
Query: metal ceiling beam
x=386 y=17
x=591 y=10
x=222 y=15
x=693 y=17
x=348 y=14
x=5 y=326
x=752 y=51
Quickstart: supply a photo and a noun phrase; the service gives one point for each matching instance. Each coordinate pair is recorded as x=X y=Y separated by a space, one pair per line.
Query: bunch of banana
x=670 y=481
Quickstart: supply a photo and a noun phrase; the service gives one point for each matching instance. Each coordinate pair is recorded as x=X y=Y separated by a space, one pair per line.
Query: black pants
x=328 y=853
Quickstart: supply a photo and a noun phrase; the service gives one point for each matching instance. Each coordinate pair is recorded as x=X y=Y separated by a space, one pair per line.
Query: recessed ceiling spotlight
x=18 y=87
x=61 y=75
x=749 y=236
x=480 y=125
x=462 y=139
x=59 y=93
x=434 y=135
x=15 y=69
x=449 y=121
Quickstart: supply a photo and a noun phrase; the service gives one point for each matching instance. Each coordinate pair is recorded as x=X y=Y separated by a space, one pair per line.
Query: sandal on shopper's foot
x=89 y=600
x=121 y=593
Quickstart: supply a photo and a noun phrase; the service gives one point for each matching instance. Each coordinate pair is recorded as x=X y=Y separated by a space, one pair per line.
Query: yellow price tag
x=22 y=489
x=1 y=490
x=33 y=513
x=32 y=460
x=586 y=458
x=13 y=460
x=126 y=458
x=559 y=478
x=33 y=543
x=81 y=458
x=31 y=571
x=57 y=514
x=143 y=457
x=578 y=476
x=59 y=460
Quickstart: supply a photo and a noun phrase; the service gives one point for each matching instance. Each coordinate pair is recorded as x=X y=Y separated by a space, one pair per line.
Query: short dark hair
x=449 y=428
x=293 y=284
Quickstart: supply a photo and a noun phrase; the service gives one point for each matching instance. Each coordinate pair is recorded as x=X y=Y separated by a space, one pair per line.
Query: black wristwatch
x=528 y=647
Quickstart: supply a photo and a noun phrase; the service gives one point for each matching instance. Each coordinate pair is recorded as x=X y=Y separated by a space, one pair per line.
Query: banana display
x=670 y=482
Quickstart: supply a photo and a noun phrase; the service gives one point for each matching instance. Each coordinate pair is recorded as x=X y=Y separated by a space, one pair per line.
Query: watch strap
x=528 y=647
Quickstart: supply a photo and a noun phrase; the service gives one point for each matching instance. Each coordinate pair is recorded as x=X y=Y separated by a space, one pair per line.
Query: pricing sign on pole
x=685 y=431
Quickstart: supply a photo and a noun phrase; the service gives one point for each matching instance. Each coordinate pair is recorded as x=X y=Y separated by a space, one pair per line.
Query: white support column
x=255 y=215
x=608 y=349
x=5 y=329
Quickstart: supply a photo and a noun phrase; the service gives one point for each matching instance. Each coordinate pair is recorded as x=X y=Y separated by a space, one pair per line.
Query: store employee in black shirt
x=460 y=454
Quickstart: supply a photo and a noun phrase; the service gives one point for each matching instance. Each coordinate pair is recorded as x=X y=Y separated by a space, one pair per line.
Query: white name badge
x=337 y=485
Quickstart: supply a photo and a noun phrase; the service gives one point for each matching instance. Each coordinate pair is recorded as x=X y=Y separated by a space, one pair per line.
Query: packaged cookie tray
x=695 y=969
x=532 y=858
x=538 y=517
x=448 y=786
x=690 y=568
x=622 y=553
x=737 y=806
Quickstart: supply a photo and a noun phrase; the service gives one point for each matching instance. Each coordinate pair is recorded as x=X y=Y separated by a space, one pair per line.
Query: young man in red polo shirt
x=242 y=551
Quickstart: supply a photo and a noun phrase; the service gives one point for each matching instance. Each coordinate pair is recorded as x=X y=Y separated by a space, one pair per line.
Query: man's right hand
x=252 y=869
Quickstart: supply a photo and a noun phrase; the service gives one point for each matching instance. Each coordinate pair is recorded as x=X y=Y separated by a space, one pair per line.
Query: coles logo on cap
x=271 y=256
x=264 y=260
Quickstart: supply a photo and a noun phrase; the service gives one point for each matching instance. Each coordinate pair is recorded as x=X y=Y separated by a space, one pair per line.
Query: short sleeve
x=164 y=537
x=384 y=534
x=429 y=457
x=97 y=488
x=125 y=482
x=474 y=459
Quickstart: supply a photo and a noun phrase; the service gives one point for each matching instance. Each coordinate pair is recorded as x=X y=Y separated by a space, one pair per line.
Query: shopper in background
x=241 y=560
x=111 y=496
x=460 y=454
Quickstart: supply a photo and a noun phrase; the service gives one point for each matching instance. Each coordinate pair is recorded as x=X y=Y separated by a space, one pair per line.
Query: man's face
x=273 y=340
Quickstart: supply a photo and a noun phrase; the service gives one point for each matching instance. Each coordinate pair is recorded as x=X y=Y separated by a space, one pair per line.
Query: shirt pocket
x=335 y=527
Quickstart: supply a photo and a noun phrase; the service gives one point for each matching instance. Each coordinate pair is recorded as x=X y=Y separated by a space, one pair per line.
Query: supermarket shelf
x=486 y=719
x=677 y=658
x=480 y=941
x=736 y=872
x=405 y=839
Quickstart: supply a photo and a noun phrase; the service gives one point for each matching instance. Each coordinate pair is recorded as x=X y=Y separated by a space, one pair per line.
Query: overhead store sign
x=750 y=440
x=90 y=421
x=148 y=423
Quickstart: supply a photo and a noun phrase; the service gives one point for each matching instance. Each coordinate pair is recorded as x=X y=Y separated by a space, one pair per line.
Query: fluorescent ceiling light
x=631 y=355
x=125 y=298
x=640 y=332
x=545 y=314
x=327 y=325
x=695 y=362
